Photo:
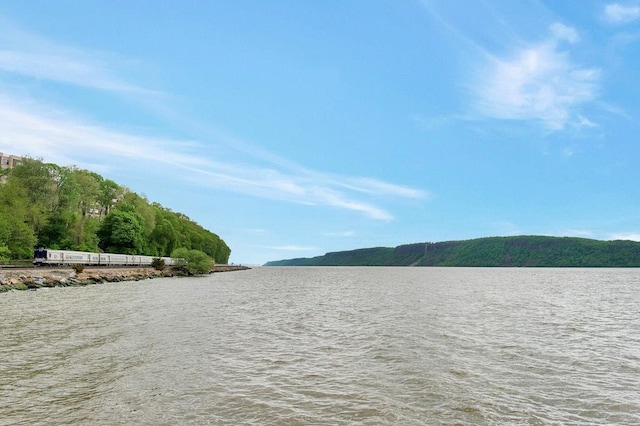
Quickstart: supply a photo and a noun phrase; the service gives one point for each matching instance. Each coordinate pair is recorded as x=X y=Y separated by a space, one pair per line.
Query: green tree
x=88 y=184
x=121 y=232
x=70 y=208
x=55 y=234
x=15 y=233
x=141 y=206
x=108 y=195
x=88 y=234
x=34 y=177
x=163 y=238
x=86 y=207
x=193 y=262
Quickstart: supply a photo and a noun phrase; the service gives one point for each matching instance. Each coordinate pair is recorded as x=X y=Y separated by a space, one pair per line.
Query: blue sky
x=292 y=128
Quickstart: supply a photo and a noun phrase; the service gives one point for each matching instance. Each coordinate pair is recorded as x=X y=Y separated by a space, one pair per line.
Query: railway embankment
x=34 y=278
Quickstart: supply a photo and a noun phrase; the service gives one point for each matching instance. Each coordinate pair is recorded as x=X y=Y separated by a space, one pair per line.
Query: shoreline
x=34 y=278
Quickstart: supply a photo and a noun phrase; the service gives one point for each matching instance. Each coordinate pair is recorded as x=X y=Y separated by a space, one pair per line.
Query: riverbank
x=34 y=278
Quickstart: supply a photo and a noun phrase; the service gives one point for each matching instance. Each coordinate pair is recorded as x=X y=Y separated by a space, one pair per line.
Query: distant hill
x=520 y=251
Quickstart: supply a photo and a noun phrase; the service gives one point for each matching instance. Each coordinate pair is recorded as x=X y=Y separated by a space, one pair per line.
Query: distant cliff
x=520 y=251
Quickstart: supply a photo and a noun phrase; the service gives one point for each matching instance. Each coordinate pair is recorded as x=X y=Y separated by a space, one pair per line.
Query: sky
x=293 y=128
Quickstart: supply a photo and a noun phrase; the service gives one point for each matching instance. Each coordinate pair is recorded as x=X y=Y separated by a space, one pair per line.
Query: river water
x=328 y=346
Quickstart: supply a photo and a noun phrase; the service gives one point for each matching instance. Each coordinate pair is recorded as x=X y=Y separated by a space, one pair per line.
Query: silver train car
x=66 y=257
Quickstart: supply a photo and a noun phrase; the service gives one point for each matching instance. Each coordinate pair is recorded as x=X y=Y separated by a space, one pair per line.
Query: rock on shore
x=36 y=278
x=25 y=279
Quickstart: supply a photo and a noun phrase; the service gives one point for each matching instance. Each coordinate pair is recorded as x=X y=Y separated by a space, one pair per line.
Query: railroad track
x=58 y=267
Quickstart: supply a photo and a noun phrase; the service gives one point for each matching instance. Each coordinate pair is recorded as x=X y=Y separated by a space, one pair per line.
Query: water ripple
x=328 y=346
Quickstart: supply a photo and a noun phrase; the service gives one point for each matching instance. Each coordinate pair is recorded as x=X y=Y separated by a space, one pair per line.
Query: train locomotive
x=51 y=257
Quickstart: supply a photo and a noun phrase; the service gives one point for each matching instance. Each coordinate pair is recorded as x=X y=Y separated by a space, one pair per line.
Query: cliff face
x=520 y=251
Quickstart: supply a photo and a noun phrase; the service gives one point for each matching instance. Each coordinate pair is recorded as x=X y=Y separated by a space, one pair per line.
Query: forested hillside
x=45 y=205
x=521 y=251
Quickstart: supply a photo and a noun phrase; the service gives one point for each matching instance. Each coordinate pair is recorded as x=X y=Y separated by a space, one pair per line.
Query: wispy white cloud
x=59 y=137
x=506 y=228
x=559 y=32
x=65 y=68
x=617 y=13
x=376 y=187
x=257 y=231
x=584 y=233
x=569 y=151
x=584 y=122
x=628 y=236
x=538 y=82
x=338 y=199
x=41 y=130
x=341 y=234
x=30 y=55
x=36 y=130
x=292 y=248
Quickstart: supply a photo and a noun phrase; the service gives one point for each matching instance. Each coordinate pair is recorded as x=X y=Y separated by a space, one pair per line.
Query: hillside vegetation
x=520 y=251
x=45 y=205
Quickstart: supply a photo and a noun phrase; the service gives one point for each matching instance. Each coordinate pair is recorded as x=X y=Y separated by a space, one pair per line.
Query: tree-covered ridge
x=520 y=251
x=45 y=205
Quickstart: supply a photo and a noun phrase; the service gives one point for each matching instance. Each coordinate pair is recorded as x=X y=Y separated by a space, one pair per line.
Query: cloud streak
x=61 y=138
x=510 y=77
x=65 y=69
x=29 y=55
x=538 y=82
x=616 y=13
x=292 y=248
x=626 y=237
x=41 y=130
x=340 y=234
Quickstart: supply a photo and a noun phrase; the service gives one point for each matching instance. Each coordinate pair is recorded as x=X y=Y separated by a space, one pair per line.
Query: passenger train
x=64 y=257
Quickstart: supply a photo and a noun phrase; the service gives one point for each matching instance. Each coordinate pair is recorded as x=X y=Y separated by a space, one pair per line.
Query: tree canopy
x=520 y=251
x=193 y=262
x=67 y=208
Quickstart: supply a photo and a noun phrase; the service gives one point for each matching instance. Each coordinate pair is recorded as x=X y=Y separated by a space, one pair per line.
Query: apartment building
x=9 y=161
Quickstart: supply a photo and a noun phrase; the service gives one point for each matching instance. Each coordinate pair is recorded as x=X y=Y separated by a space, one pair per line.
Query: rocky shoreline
x=31 y=279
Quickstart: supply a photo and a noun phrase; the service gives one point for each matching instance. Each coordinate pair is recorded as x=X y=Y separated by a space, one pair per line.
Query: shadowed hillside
x=520 y=251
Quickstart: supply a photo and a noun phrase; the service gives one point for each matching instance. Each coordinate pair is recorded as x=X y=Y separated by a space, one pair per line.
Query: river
x=328 y=346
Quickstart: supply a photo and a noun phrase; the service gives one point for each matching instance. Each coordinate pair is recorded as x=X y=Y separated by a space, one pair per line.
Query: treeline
x=45 y=205
x=520 y=251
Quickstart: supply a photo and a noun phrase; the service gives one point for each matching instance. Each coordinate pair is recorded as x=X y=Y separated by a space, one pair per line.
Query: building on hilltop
x=9 y=161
